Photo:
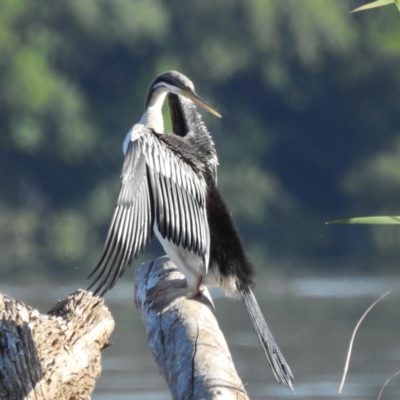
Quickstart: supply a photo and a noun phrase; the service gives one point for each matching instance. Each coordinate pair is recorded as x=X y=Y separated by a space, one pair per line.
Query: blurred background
x=310 y=133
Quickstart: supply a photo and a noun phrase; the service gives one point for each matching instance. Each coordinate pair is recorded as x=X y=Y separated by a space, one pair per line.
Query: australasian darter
x=169 y=189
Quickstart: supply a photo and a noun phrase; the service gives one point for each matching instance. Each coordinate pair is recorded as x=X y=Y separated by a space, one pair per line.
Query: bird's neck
x=153 y=117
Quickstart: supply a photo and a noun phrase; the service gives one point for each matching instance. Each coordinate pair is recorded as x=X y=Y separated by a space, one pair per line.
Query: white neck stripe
x=171 y=88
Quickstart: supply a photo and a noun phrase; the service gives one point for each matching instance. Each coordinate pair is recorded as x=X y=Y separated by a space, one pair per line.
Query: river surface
x=311 y=317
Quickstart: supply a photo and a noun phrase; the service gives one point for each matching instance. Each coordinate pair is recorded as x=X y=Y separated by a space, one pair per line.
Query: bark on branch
x=186 y=342
x=53 y=356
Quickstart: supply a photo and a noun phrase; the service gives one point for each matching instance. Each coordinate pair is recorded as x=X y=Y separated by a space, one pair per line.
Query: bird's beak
x=196 y=99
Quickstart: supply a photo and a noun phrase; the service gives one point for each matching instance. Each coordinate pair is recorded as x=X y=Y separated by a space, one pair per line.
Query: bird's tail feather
x=275 y=358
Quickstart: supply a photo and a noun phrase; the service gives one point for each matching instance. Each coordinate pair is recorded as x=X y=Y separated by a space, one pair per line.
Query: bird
x=169 y=189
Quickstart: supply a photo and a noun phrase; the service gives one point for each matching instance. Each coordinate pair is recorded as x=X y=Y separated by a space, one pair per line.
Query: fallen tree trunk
x=53 y=356
x=186 y=342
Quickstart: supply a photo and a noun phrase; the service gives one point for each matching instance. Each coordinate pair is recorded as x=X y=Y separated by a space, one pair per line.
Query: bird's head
x=179 y=84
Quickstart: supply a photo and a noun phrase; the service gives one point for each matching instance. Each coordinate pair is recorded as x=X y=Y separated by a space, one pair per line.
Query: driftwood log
x=57 y=356
x=186 y=342
x=53 y=356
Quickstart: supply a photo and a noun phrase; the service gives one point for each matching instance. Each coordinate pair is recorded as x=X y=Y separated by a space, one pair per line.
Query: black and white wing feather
x=161 y=188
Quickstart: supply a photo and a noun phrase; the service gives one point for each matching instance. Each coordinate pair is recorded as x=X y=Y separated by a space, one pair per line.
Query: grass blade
x=378 y=3
x=383 y=220
x=346 y=366
x=385 y=384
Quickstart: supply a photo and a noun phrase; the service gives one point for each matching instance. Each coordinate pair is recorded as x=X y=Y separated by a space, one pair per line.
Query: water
x=312 y=319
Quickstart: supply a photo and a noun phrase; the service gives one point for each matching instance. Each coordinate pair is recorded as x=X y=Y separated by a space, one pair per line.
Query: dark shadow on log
x=18 y=357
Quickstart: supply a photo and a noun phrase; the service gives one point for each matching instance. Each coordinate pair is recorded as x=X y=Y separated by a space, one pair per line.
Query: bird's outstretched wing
x=159 y=186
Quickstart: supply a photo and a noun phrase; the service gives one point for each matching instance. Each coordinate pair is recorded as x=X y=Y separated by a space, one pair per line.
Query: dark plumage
x=169 y=188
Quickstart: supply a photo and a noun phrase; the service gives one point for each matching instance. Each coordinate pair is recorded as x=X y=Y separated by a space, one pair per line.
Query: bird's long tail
x=275 y=358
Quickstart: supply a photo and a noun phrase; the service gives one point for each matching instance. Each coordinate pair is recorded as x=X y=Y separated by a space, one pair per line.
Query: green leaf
x=384 y=220
x=378 y=3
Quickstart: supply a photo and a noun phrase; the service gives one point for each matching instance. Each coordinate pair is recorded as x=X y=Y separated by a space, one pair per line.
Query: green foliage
x=310 y=127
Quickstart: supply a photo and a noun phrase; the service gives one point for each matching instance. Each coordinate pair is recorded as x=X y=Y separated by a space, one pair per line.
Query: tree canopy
x=310 y=131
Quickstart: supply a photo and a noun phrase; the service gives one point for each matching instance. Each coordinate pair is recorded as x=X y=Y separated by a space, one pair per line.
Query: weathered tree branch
x=53 y=356
x=186 y=342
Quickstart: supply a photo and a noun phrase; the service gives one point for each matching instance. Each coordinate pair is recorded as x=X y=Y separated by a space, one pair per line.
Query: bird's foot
x=167 y=294
x=162 y=288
